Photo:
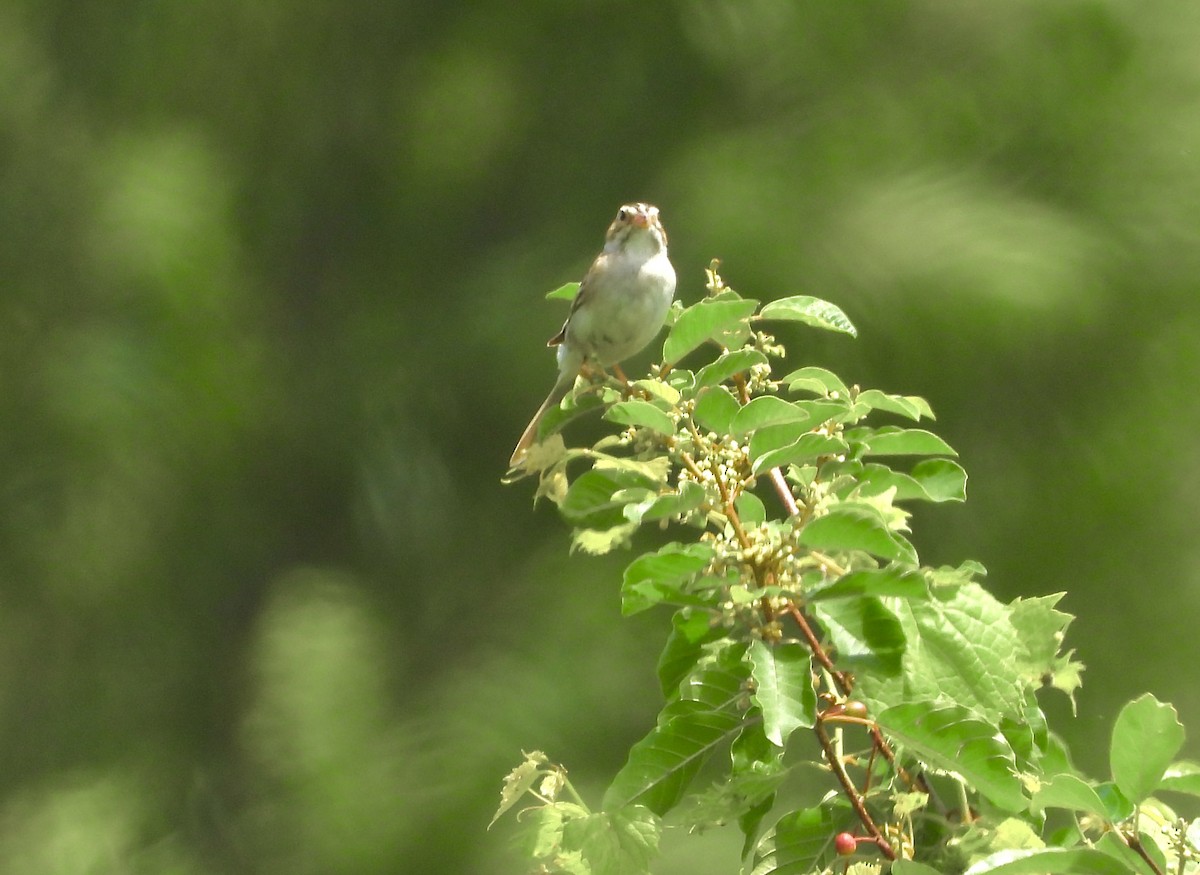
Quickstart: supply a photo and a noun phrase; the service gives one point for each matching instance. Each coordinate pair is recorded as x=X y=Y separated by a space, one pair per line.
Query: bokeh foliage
x=271 y=320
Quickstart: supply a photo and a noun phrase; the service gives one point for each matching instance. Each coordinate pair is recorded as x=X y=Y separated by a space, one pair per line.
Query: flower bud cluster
x=765 y=343
x=759 y=380
x=728 y=463
x=771 y=558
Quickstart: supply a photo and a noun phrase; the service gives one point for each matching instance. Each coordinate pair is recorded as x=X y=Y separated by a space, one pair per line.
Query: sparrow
x=620 y=306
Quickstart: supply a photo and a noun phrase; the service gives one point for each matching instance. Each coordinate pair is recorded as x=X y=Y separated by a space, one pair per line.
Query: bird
x=620 y=307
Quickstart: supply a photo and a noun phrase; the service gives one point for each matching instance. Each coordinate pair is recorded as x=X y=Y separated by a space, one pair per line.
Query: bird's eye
x=624 y=213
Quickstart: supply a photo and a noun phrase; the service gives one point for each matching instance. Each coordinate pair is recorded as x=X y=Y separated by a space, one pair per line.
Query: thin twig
x=856 y=800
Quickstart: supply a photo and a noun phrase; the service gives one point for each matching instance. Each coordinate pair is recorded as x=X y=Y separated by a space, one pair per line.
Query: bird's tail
x=529 y=436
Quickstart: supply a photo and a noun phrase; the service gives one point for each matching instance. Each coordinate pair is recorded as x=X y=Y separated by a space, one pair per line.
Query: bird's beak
x=643 y=218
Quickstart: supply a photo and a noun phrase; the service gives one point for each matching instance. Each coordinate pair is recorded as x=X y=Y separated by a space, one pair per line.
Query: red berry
x=845 y=844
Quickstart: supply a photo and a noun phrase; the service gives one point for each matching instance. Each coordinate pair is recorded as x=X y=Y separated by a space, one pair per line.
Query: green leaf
x=689 y=497
x=895 y=580
x=1145 y=740
x=690 y=730
x=1028 y=736
x=792 y=419
x=1071 y=793
x=767 y=410
x=669 y=394
x=908 y=867
x=751 y=509
x=540 y=834
x=962 y=648
x=949 y=737
x=1182 y=777
x=802 y=841
x=866 y=634
x=807 y=447
x=910 y=406
x=893 y=441
x=756 y=773
x=641 y=413
x=941 y=480
x=1041 y=629
x=811 y=311
x=620 y=842
x=1116 y=847
x=856 y=527
x=730 y=363
x=715 y=409
x=660 y=576
x=519 y=780
x=597 y=542
x=1049 y=861
x=783 y=688
x=935 y=480
x=593 y=496
x=691 y=630
x=1115 y=803
x=819 y=381
x=702 y=322
x=566 y=292
x=570 y=408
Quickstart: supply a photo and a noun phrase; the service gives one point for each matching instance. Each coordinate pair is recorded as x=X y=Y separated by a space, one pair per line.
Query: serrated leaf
x=660 y=576
x=802 y=841
x=715 y=409
x=893 y=441
x=1028 y=735
x=565 y=292
x=519 y=780
x=727 y=365
x=810 y=311
x=961 y=647
x=1145 y=739
x=1041 y=629
x=540 y=832
x=756 y=773
x=866 y=634
x=899 y=581
x=620 y=842
x=783 y=688
x=702 y=322
x=1048 y=861
x=854 y=527
x=911 y=406
x=641 y=413
x=662 y=765
x=819 y=381
x=1182 y=777
x=949 y=737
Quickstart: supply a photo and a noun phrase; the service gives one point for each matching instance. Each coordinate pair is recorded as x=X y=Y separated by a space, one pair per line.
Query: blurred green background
x=272 y=281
